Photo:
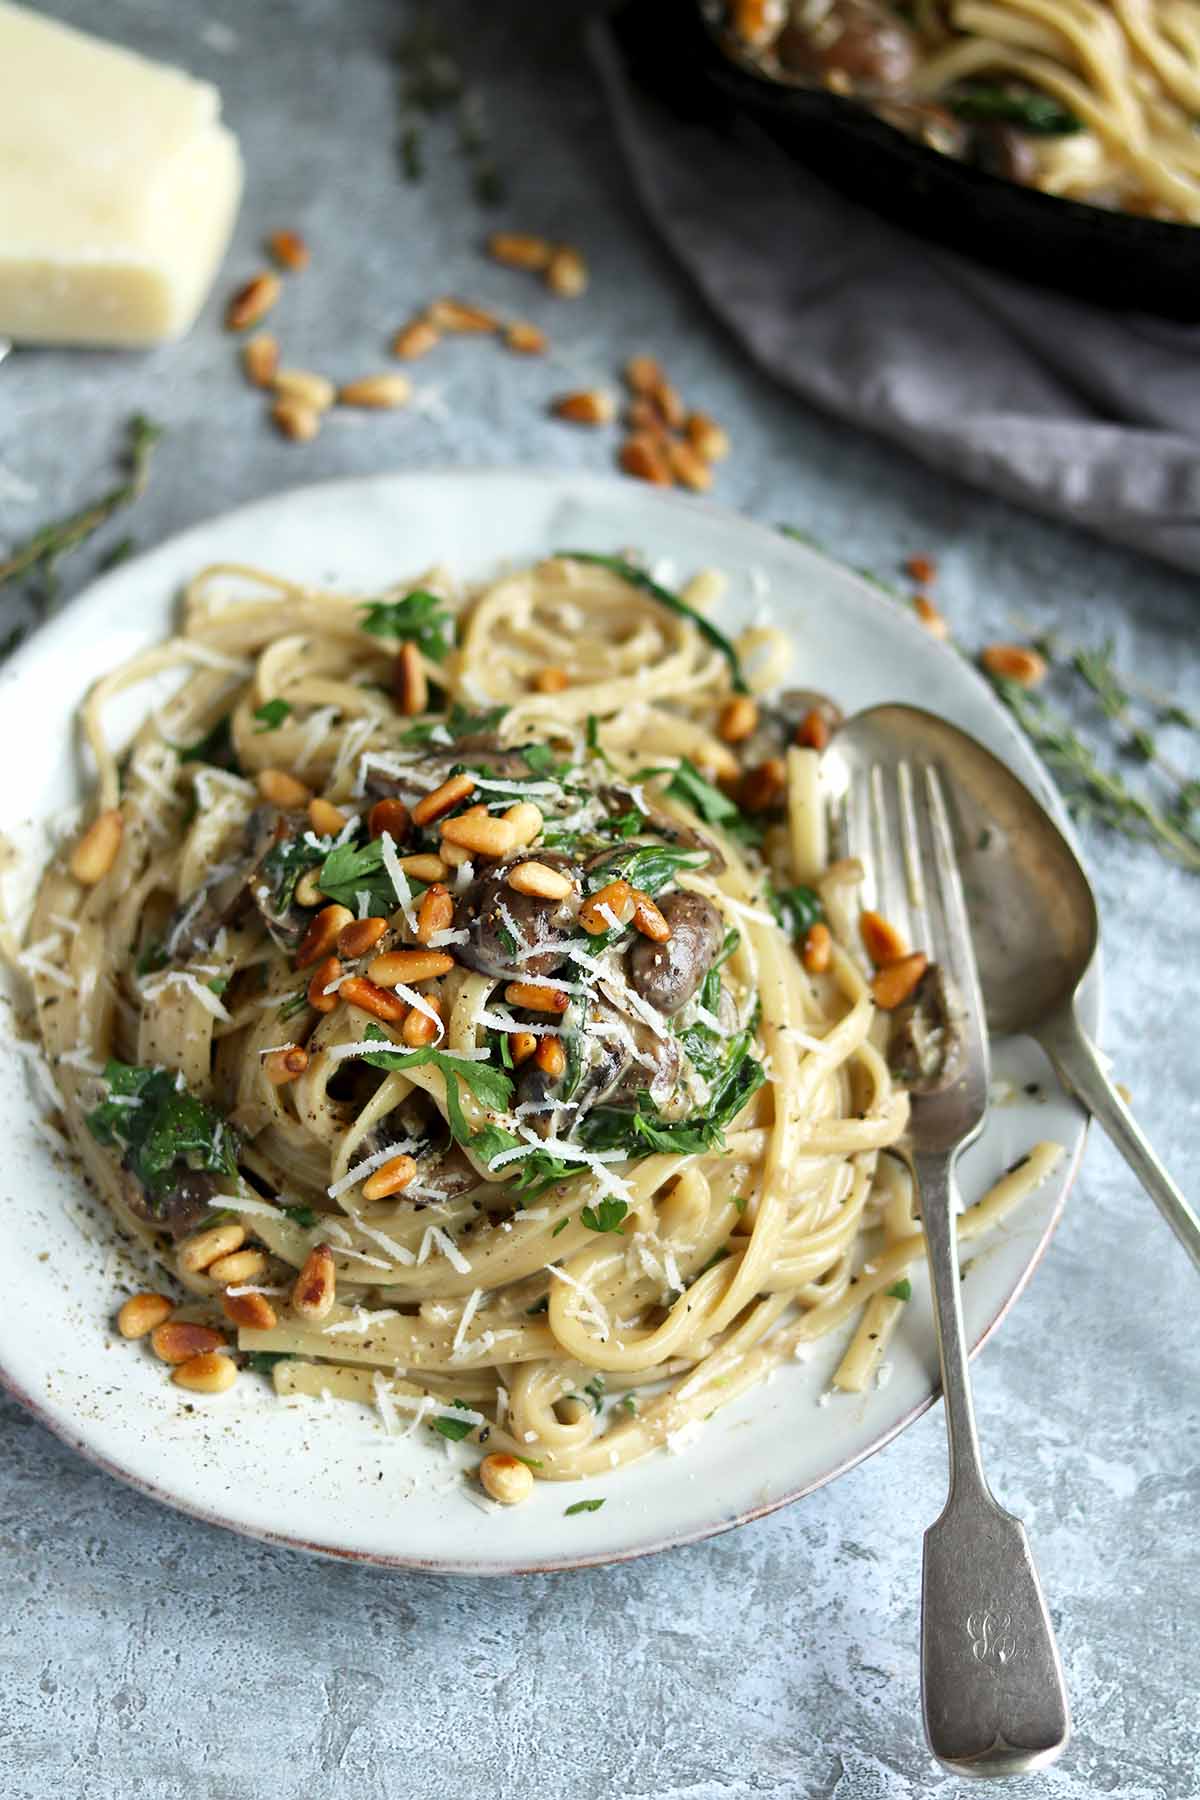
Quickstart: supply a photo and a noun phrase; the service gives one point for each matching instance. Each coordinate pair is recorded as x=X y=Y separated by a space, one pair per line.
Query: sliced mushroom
x=660 y=828
x=194 y=928
x=867 y=45
x=781 y=718
x=668 y=974
x=544 y=924
x=192 y=1195
x=925 y=1040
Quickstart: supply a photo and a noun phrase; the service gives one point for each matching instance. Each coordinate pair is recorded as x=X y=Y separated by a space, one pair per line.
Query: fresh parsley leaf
x=627 y=824
x=455 y=1429
x=490 y=1086
x=650 y=867
x=282 y=867
x=595 y=1391
x=166 y=1131
x=294 y=1003
x=262 y=1362
x=689 y=785
x=531 y=1462
x=638 y=578
x=582 y=1506
x=218 y=984
x=215 y=747
x=561 y=1226
x=607 y=1216
x=504 y=1045
x=352 y=869
x=796 y=908
x=419 y=618
x=270 y=715
x=304 y=1216
x=900 y=1290
x=542 y=760
x=741 y=1202
x=628 y=1404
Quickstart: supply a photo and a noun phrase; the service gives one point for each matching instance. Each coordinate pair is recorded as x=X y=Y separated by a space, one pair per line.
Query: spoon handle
x=1079 y=1067
x=992 y=1687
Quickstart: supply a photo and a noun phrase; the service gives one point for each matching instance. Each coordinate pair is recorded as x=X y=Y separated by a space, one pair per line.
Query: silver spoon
x=1036 y=931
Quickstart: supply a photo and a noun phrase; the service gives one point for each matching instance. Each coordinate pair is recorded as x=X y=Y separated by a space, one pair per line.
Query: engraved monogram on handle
x=991 y=1635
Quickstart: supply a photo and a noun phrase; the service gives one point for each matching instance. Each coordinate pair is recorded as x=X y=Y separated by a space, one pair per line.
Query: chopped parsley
x=606 y=1216
x=582 y=1506
x=215 y=747
x=262 y=1362
x=419 y=618
x=270 y=715
x=167 y=1129
x=628 y=1404
x=797 y=908
x=455 y=1429
x=351 y=870
x=641 y=1131
x=303 y=1216
x=900 y=1290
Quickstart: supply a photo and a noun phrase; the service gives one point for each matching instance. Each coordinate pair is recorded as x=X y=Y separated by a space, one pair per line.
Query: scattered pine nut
x=527 y=339
x=755 y=21
x=391 y=816
x=325 y=818
x=922 y=569
x=419 y=1029
x=415 y=339
x=359 y=936
x=390 y=1179
x=535 y=998
x=141 y=1313
x=523 y=1045
x=667 y=400
x=642 y=457
x=648 y=919
x=520 y=250
x=252 y=301
x=643 y=375
x=881 y=941
x=448 y=314
x=288 y=1064
x=322 y=934
x=295 y=420
x=289 y=250
x=409 y=683
x=178 y=1339
x=707 y=438
x=249 y=1312
x=436 y=912
x=551 y=1058
x=205 y=1247
x=525 y=821
x=818 y=948
x=542 y=882
x=282 y=789
x=308 y=888
x=96 y=851
x=688 y=466
x=482 y=835
x=260 y=359
x=1015 y=662
x=763 y=786
x=209 y=1373
x=567 y=273
x=738 y=720
x=369 y=997
x=409 y=966
x=550 y=681
x=892 y=986
x=324 y=976
x=425 y=868
x=316 y=1284
x=616 y=897
x=378 y=391
x=930 y=617
x=506 y=1478
x=443 y=799
x=243 y=1265
x=304 y=385
x=642 y=415
x=587 y=406
x=813 y=730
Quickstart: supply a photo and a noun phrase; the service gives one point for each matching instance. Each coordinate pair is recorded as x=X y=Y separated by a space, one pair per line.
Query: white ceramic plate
x=326 y=1478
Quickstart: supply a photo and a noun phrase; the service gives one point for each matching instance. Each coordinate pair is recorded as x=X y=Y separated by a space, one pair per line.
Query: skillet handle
x=1078 y=1065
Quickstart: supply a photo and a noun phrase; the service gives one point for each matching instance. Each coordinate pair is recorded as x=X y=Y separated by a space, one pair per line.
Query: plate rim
x=879 y=600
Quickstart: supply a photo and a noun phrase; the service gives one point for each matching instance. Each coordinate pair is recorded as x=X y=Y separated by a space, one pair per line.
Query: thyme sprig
x=42 y=551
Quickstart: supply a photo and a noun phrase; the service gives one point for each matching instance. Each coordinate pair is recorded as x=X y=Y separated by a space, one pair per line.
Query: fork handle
x=1077 y=1064
x=992 y=1687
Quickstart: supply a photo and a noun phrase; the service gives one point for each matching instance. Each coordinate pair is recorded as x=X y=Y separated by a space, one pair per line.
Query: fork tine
x=950 y=936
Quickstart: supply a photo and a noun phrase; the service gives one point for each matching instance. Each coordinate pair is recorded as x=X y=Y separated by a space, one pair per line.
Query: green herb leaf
x=651 y=867
x=270 y=715
x=455 y=1429
x=351 y=870
x=262 y=1362
x=218 y=984
x=490 y=1086
x=640 y=1132
x=153 y=956
x=638 y=578
x=582 y=1506
x=304 y=1216
x=688 y=784
x=900 y=1290
x=628 y=1404
x=1033 y=111
x=215 y=747
x=797 y=908
x=606 y=1216
x=166 y=1131
x=294 y=1003
x=561 y=1226
x=419 y=618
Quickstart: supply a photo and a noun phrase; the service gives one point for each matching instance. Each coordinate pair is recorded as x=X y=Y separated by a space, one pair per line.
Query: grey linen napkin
x=1084 y=414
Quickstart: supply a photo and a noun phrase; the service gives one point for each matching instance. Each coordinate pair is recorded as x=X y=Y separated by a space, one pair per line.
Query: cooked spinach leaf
x=166 y=1127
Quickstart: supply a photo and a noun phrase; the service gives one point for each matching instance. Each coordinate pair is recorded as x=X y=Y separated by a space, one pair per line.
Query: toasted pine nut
x=96 y=851
x=283 y=790
x=526 y=822
x=310 y=389
x=208 y=1373
x=282 y=1066
x=738 y=720
x=359 y=936
x=415 y=339
x=390 y=1179
x=486 y=836
x=642 y=457
x=648 y=919
x=391 y=816
x=615 y=897
x=881 y=941
x=409 y=966
x=535 y=998
x=379 y=393
x=205 y=1247
x=443 y=799
x=243 y=1265
x=689 y=467
x=813 y=730
x=644 y=418
x=1015 y=662
x=176 y=1340
x=428 y=868
x=371 y=998
x=454 y=856
x=316 y=1284
x=523 y=1045
x=550 y=1057
x=289 y=250
x=322 y=935
x=520 y=250
x=643 y=374
x=308 y=888
x=448 y=314
x=667 y=400
x=755 y=20
x=260 y=359
x=408 y=681
x=526 y=339
x=818 y=948
x=586 y=406
x=706 y=437
x=506 y=1478
x=141 y=1313
x=542 y=882
x=923 y=569
x=933 y=621
x=250 y=1312
x=418 y=1028
x=567 y=273
x=295 y=419
x=893 y=985
x=763 y=786
x=325 y=818
x=253 y=301
x=550 y=681
x=435 y=913
x=324 y=976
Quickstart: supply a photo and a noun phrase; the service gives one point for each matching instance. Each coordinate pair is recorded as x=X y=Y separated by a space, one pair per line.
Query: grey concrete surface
x=144 y=1655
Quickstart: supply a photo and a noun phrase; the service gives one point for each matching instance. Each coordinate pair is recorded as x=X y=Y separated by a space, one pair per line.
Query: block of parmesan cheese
x=118 y=189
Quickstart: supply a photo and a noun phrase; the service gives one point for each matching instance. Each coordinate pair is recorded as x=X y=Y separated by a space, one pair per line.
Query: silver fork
x=993 y=1694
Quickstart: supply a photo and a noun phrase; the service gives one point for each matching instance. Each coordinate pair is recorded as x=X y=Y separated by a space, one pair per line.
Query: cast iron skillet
x=1112 y=259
